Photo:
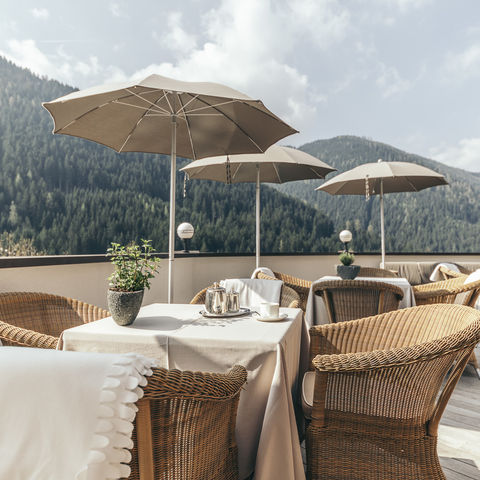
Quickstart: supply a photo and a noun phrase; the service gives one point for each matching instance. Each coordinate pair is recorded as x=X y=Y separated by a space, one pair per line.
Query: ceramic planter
x=348 y=272
x=124 y=306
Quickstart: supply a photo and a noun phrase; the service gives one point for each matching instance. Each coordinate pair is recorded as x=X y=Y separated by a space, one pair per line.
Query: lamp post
x=345 y=237
x=185 y=232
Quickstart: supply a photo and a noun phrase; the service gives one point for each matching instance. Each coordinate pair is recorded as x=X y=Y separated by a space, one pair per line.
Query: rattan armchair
x=446 y=291
x=376 y=272
x=288 y=297
x=378 y=394
x=29 y=319
x=447 y=273
x=301 y=286
x=185 y=426
x=351 y=299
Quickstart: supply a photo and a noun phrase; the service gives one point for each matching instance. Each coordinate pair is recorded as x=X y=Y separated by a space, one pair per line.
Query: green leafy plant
x=346 y=258
x=134 y=265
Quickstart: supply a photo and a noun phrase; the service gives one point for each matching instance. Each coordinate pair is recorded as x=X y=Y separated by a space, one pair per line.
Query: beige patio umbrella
x=277 y=165
x=163 y=115
x=383 y=177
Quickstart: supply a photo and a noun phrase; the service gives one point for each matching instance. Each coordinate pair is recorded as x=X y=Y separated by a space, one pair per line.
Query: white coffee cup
x=269 y=309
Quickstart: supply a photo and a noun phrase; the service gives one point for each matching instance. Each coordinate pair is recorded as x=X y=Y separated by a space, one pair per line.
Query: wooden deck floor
x=459 y=433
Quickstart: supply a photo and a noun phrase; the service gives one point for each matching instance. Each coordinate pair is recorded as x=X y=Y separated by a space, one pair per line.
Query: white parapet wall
x=88 y=281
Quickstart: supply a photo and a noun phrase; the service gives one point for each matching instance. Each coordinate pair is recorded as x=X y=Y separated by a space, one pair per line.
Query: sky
x=402 y=72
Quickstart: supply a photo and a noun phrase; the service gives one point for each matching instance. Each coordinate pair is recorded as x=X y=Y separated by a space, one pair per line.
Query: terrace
x=84 y=277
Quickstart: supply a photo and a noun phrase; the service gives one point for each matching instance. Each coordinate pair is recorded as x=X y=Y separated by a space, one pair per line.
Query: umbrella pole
x=171 y=232
x=382 y=224
x=257 y=219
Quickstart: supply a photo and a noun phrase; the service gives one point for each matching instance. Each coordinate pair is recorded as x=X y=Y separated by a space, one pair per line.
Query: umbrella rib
x=135 y=127
x=411 y=184
x=277 y=172
x=234 y=122
x=209 y=105
x=236 y=171
x=148 y=101
x=316 y=173
x=186 y=105
x=161 y=113
x=188 y=124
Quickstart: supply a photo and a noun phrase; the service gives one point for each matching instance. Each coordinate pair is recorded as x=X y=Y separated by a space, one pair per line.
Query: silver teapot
x=216 y=300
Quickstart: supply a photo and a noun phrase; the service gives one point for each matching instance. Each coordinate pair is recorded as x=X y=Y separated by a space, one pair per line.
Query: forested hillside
x=69 y=195
x=439 y=219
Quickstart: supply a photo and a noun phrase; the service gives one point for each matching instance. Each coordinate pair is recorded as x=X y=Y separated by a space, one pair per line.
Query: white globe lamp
x=185 y=232
x=345 y=237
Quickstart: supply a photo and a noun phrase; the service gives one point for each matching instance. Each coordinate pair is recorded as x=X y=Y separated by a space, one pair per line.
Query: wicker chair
x=376 y=272
x=351 y=299
x=288 y=297
x=185 y=426
x=447 y=273
x=446 y=291
x=375 y=405
x=37 y=319
x=301 y=286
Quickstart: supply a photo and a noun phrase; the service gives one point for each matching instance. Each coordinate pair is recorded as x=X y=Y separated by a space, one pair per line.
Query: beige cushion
x=308 y=383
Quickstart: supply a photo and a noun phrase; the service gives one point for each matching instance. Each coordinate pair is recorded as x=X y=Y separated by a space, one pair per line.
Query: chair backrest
x=185 y=426
x=301 y=286
x=448 y=291
x=376 y=272
x=44 y=313
x=351 y=299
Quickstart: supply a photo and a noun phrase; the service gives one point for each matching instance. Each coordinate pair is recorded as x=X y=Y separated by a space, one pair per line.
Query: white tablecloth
x=316 y=313
x=177 y=336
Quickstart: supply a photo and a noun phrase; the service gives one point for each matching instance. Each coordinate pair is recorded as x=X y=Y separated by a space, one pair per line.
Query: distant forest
x=61 y=194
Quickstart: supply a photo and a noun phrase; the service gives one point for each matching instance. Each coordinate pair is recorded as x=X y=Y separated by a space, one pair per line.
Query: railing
x=85 y=276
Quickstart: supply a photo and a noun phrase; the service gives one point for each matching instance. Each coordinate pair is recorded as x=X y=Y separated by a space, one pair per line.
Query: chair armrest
x=27 y=338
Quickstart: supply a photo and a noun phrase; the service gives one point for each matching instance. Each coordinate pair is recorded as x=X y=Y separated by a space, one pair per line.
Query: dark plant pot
x=348 y=272
x=124 y=306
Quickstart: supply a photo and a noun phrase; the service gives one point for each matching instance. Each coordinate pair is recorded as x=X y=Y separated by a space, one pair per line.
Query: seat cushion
x=308 y=383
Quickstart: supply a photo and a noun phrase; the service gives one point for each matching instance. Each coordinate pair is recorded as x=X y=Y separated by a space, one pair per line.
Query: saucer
x=242 y=311
x=282 y=316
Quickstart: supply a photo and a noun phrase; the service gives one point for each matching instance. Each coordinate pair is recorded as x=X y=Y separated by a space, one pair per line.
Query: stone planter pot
x=124 y=306
x=347 y=272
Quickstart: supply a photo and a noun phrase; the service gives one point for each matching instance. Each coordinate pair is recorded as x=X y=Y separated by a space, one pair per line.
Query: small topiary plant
x=346 y=258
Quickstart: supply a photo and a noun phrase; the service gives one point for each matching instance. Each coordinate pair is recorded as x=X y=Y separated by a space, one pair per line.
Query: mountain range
x=68 y=195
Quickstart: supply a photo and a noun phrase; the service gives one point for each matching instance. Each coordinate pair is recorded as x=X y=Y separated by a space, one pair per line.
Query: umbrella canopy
x=277 y=165
x=383 y=177
x=163 y=115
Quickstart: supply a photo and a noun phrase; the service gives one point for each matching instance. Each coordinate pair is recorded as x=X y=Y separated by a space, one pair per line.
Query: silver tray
x=242 y=311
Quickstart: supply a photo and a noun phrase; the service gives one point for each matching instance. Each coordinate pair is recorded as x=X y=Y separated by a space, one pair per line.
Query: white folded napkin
x=68 y=415
x=437 y=276
x=473 y=277
x=264 y=270
x=252 y=292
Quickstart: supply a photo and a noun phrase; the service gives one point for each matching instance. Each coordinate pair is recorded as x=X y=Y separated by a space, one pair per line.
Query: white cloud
x=41 y=13
x=59 y=65
x=404 y=5
x=175 y=37
x=463 y=65
x=390 y=82
x=248 y=46
x=116 y=9
x=465 y=155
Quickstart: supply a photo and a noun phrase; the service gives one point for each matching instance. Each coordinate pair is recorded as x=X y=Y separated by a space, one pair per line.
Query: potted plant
x=346 y=270
x=134 y=267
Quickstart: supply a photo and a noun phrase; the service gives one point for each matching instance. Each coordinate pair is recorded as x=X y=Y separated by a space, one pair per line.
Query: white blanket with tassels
x=67 y=415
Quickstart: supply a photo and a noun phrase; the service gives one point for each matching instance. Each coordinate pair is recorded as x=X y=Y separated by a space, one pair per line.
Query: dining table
x=316 y=313
x=180 y=336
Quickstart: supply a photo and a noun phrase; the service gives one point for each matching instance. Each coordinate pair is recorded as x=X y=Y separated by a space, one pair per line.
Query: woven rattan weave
x=37 y=319
x=351 y=299
x=378 y=394
x=446 y=291
x=185 y=427
x=301 y=286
